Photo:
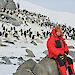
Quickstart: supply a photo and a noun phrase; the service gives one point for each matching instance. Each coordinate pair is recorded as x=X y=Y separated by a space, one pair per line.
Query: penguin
x=14 y=11
x=25 y=22
x=3 y=17
x=3 y=33
x=3 y=9
x=11 y=28
x=0 y=33
x=21 y=33
x=29 y=29
x=44 y=34
x=22 y=18
x=38 y=34
x=21 y=30
x=18 y=6
x=65 y=36
x=14 y=28
x=6 y=35
x=47 y=33
x=16 y=32
x=1 y=14
x=32 y=21
x=7 y=18
x=25 y=34
x=17 y=15
x=30 y=34
x=18 y=10
x=33 y=37
x=11 y=13
x=7 y=12
x=41 y=24
x=4 y=28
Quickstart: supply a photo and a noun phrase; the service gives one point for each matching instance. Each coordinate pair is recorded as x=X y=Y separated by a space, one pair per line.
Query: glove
x=61 y=57
x=65 y=58
x=66 y=53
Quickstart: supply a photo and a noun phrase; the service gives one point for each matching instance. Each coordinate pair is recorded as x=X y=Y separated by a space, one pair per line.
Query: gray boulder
x=46 y=52
x=11 y=5
x=29 y=64
x=48 y=67
x=10 y=19
x=26 y=68
x=24 y=72
x=14 y=21
x=34 y=43
x=39 y=70
x=10 y=0
x=45 y=67
x=30 y=53
x=6 y=59
x=72 y=53
x=2 y=3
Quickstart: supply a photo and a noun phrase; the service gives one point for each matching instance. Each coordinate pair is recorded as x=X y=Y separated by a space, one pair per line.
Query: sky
x=58 y=5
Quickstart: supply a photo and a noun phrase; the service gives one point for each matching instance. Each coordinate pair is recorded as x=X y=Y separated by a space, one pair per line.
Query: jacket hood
x=54 y=33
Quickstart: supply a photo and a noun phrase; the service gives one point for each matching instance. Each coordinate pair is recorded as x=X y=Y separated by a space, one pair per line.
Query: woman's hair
x=58 y=29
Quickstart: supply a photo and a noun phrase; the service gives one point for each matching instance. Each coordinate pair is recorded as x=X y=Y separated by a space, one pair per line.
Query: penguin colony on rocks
x=31 y=18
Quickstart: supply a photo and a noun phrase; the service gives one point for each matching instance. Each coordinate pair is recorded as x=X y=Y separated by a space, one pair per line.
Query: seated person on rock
x=58 y=50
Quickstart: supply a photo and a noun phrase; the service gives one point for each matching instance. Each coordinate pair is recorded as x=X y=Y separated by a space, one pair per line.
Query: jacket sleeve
x=66 y=48
x=51 y=47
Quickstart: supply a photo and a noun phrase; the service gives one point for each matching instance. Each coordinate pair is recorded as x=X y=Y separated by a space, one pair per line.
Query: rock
x=3 y=45
x=29 y=64
x=39 y=41
x=24 y=72
x=72 y=53
x=49 y=65
x=12 y=57
x=20 y=59
x=7 y=4
x=10 y=5
x=37 y=60
x=9 y=42
x=45 y=67
x=30 y=53
x=34 y=43
x=46 y=52
x=10 y=0
x=6 y=59
x=2 y=3
x=0 y=11
x=2 y=63
x=15 y=22
x=23 y=47
x=39 y=70
x=10 y=19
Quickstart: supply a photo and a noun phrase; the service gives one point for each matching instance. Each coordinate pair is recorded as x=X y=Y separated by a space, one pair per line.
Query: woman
x=58 y=50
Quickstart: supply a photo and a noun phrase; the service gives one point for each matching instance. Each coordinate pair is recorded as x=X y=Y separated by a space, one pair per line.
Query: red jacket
x=56 y=46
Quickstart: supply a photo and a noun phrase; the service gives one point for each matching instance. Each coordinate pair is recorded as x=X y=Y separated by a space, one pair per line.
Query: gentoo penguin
x=30 y=34
x=25 y=34
x=6 y=35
